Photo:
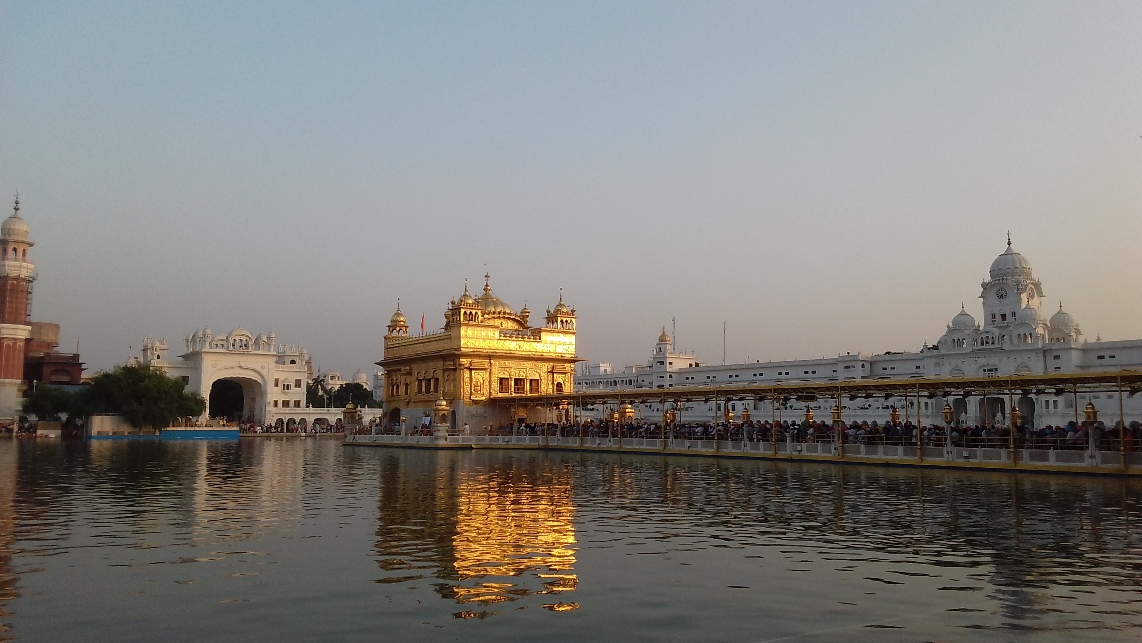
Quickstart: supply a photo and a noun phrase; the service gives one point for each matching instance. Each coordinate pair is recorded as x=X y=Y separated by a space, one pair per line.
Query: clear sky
x=823 y=177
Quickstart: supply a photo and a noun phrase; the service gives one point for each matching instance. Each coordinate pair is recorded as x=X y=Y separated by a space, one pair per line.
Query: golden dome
x=490 y=302
x=398 y=318
x=561 y=308
x=664 y=338
x=350 y=406
x=466 y=299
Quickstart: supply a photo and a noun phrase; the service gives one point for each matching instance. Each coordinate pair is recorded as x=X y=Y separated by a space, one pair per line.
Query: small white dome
x=14 y=227
x=1010 y=264
x=1062 y=320
x=963 y=320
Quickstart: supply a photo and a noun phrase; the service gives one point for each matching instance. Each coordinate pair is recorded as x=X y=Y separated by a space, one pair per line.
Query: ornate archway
x=236 y=398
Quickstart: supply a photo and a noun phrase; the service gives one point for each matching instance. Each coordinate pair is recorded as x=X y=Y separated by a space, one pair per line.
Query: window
x=185 y=380
x=276 y=380
x=286 y=386
x=1102 y=357
x=505 y=385
x=533 y=387
x=1056 y=357
x=518 y=386
x=559 y=387
x=297 y=383
x=275 y=404
x=297 y=404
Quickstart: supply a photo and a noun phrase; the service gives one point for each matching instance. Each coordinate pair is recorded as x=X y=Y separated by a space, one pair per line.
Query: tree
x=143 y=395
x=354 y=392
x=50 y=402
x=316 y=395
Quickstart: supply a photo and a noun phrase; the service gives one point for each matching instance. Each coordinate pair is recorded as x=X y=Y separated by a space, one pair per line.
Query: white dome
x=963 y=320
x=1010 y=264
x=14 y=227
x=1062 y=320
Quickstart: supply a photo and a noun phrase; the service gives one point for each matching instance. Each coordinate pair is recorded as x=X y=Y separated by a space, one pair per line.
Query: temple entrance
x=394 y=418
x=236 y=399
x=227 y=400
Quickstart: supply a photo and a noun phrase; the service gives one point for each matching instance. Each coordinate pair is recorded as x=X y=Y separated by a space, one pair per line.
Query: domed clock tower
x=1011 y=299
x=16 y=275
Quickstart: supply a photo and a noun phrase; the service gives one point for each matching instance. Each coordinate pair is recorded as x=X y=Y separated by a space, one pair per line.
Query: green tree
x=50 y=403
x=356 y=392
x=316 y=395
x=144 y=396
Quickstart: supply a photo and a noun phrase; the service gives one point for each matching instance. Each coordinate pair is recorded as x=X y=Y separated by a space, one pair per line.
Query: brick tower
x=16 y=275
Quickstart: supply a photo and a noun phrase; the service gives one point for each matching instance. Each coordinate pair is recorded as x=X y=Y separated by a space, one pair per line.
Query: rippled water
x=286 y=539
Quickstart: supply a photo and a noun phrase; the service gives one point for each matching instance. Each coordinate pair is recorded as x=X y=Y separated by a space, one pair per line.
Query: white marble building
x=1014 y=336
x=240 y=375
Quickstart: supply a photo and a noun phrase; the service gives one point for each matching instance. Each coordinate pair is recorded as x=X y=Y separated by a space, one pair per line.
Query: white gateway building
x=242 y=377
x=1013 y=337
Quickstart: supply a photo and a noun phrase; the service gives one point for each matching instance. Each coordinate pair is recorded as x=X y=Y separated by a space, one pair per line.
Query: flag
x=422 y=322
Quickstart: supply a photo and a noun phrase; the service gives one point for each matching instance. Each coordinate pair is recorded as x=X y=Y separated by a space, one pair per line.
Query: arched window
x=559 y=387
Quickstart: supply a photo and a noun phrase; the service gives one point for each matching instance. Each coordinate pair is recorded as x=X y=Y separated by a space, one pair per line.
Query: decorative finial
x=1008 y=238
x=962 y=309
x=398 y=304
x=16 y=207
x=561 y=295
x=487 y=282
x=465 y=285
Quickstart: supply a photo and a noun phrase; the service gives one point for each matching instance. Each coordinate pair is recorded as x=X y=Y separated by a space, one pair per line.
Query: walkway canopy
x=1128 y=382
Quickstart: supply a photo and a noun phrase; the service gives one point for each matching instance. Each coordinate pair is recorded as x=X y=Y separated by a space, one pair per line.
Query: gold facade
x=485 y=350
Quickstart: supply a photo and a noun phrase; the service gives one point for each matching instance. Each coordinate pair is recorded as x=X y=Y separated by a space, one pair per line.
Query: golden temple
x=485 y=351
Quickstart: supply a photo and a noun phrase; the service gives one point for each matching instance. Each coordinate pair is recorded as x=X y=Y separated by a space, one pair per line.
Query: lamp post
x=838 y=424
x=894 y=415
x=948 y=416
x=1090 y=417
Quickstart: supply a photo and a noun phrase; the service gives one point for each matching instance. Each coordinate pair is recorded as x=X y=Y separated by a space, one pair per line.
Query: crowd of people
x=1073 y=435
x=290 y=426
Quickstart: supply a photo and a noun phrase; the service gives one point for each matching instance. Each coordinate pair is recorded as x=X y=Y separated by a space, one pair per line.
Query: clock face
x=1001 y=293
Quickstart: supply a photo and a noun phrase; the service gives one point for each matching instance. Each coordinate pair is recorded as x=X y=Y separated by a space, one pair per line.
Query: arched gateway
x=241 y=375
x=236 y=398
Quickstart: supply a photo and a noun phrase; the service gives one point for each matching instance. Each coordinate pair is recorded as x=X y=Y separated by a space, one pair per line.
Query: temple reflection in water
x=493 y=530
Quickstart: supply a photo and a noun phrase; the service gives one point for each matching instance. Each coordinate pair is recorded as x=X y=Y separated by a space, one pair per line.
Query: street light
x=948 y=415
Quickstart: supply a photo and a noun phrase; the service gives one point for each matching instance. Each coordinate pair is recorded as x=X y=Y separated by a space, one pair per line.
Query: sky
x=819 y=177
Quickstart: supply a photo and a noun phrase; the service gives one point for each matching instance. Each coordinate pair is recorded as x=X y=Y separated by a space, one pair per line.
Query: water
x=284 y=539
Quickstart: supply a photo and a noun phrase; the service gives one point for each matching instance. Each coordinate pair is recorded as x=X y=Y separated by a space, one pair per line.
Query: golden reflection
x=506 y=527
x=494 y=534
